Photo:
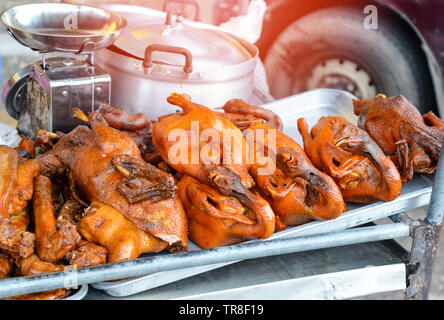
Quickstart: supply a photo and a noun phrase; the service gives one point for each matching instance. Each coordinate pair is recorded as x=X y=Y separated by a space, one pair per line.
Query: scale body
x=42 y=95
x=54 y=89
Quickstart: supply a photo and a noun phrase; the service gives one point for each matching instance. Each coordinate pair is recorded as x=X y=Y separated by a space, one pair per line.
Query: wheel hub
x=344 y=75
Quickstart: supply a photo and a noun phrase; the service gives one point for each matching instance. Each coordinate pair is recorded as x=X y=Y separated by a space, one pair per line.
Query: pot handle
x=189 y=2
x=147 y=62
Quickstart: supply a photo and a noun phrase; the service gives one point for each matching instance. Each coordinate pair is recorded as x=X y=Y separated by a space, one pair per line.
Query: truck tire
x=331 y=48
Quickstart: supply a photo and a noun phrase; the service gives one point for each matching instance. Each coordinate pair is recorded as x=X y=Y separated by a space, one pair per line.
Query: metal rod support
x=166 y=262
x=436 y=207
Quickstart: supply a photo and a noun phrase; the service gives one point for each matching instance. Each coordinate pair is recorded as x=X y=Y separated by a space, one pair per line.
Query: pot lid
x=173 y=39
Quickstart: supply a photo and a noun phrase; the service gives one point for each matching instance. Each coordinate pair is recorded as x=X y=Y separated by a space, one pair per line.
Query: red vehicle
x=325 y=43
x=363 y=46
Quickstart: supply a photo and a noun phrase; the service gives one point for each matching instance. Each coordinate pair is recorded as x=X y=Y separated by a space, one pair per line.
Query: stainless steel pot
x=160 y=53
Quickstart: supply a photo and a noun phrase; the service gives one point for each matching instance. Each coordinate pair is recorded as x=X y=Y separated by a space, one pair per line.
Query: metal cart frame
x=425 y=236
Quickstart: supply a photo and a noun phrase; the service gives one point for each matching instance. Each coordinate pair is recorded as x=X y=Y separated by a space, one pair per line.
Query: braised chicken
x=412 y=141
x=347 y=153
x=52 y=242
x=220 y=163
x=285 y=176
x=106 y=166
x=12 y=241
x=136 y=126
x=216 y=220
x=106 y=226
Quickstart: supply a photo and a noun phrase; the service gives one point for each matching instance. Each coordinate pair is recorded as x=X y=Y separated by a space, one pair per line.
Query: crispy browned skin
x=347 y=153
x=297 y=191
x=413 y=142
x=6 y=266
x=135 y=126
x=206 y=119
x=87 y=254
x=52 y=243
x=241 y=111
x=33 y=265
x=225 y=170
x=106 y=226
x=107 y=166
x=47 y=295
x=215 y=220
x=17 y=243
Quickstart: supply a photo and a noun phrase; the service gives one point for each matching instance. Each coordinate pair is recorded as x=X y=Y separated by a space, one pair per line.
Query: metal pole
x=426 y=240
x=149 y=265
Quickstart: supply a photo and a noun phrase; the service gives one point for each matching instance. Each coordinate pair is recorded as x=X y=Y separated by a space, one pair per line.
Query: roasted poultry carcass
x=216 y=220
x=201 y=160
x=412 y=141
x=85 y=253
x=218 y=163
x=347 y=153
x=105 y=225
x=106 y=166
x=296 y=190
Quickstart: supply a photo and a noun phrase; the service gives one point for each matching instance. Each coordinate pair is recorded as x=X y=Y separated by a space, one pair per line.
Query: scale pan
x=64 y=27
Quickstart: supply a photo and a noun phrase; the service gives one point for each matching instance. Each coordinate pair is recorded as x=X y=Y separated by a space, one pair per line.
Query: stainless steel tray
x=79 y=293
x=311 y=105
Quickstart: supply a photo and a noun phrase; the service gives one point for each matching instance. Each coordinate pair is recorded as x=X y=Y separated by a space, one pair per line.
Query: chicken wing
x=201 y=160
x=33 y=266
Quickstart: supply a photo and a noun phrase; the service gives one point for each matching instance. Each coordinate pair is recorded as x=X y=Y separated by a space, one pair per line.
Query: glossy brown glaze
x=295 y=188
x=216 y=220
x=52 y=242
x=357 y=164
x=105 y=164
x=106 y=226
x=412 y=141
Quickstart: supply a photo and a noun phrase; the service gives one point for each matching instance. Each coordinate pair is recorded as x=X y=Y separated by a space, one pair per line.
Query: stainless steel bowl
x=47 y=27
